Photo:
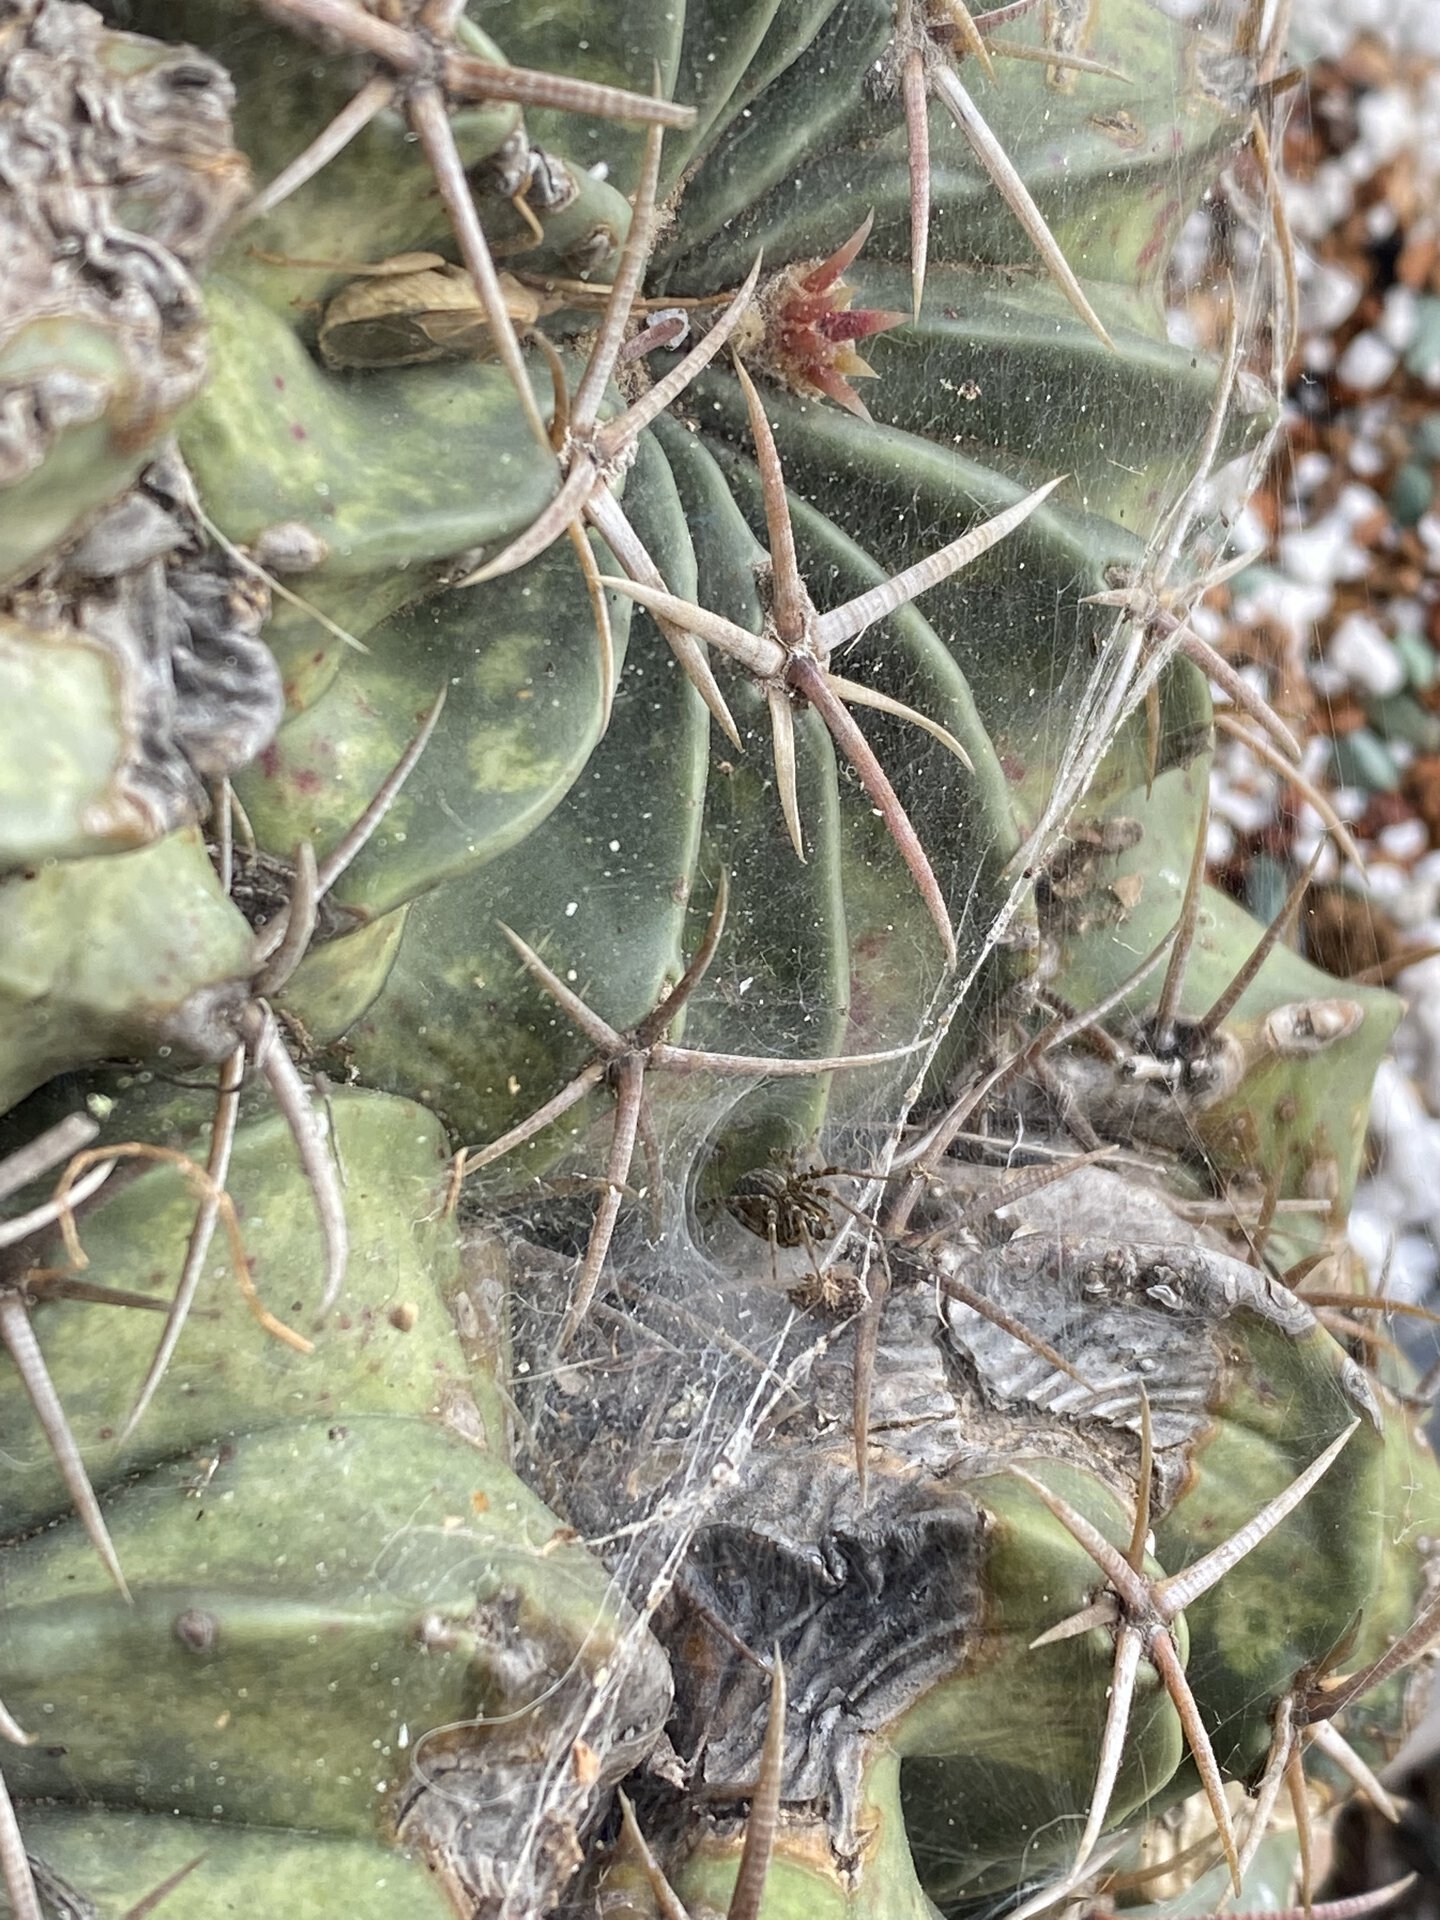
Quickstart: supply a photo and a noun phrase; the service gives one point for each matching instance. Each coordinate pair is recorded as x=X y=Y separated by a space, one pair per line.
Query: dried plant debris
x=116 y=178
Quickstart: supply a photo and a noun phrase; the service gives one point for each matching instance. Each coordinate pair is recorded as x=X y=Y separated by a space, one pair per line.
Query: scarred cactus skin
x=490 y=1477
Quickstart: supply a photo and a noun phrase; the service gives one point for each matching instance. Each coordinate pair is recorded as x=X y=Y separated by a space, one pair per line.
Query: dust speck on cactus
x=781 y=1338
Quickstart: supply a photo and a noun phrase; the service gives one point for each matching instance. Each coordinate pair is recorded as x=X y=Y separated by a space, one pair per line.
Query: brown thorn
x=144 y=1908
x=1258 y=1237
x=589 y=1077
x=1165 y=1657
x=1051 y=57
x=1129 y=1646
x=199 y=1181
x=283 y=945
x=431 y=123
x=292 y=1097
x=760 y=1066
x=605 y=514
x=57 y=1283
x=782 y=733
x=945 y=1131
x=467 y=77
x=1284 y=239
x=1020 y=1182
x=60 y=1207
x=1264 y=946
x=1354 y=1907
x=217 y=1167
x=1320 y=801
x=792 y=609
x=1012 y=11
x=855 y=694
x=861 y=613
x=47 y=1150
x=531 y=219
x=867 y=1342
x=1016 y=195
x=223 y=822
x=282 y=592
x=625 y=286
x=559 y=391
x=1327 y=1702
x=661 y=1018
x=352 y=119
x=959 y=16
x=629 y=1083
x=748 y=1894
x=15 y=1863
x=1179 y=1590
x=19 y=1338
x=1104 y=1614
x=1282 y=1740
x=546 y=528
x=620 y=432
x=1152 y=736
x=758 y=653
x=654 y=1165
x=1188 y=925
x=1217 y=668
x=1140 y=1531
x=1132 y=1588
x=1182 y=512
x=915 y=93
x=349 y=845
x=599 y=1032
x=667 y=1901
x=1304 y=1828
x=967 y=1296
x=1273 y=51
x=808 y=679
x=1384 y=971
x=11 y=1729
x=239 y=817
x=600 y=613
x=1203 y=1850
x=1327 y=1737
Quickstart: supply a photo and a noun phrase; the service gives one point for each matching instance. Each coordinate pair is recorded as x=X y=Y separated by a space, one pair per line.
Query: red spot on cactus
x=804 y=328
x=297 y=432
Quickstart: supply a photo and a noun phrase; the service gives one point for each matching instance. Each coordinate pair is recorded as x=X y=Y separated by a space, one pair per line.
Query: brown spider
x=783 y=1204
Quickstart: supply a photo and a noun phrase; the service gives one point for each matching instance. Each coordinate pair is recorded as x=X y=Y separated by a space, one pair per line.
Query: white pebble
x=1360 y=649
x=1366 y=363
x=1399 y=320
x=1331 y=295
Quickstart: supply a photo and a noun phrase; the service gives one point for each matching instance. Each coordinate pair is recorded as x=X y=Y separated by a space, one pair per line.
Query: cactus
x=678 y=1270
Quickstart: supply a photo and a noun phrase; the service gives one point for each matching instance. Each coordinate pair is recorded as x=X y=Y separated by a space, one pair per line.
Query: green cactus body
x=426 y=1561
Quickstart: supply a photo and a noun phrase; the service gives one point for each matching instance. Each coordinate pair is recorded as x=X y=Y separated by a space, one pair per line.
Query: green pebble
x=1423 y=355
x=1419 y=658
x=1401 y=717
x=1411 y=494
x=1267 y=881
x=1363 y=760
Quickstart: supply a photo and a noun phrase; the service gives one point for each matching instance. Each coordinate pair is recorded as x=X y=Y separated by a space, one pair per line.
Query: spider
x=783 y=1204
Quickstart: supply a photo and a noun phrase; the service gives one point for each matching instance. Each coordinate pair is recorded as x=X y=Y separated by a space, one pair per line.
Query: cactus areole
x=654 y=1238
